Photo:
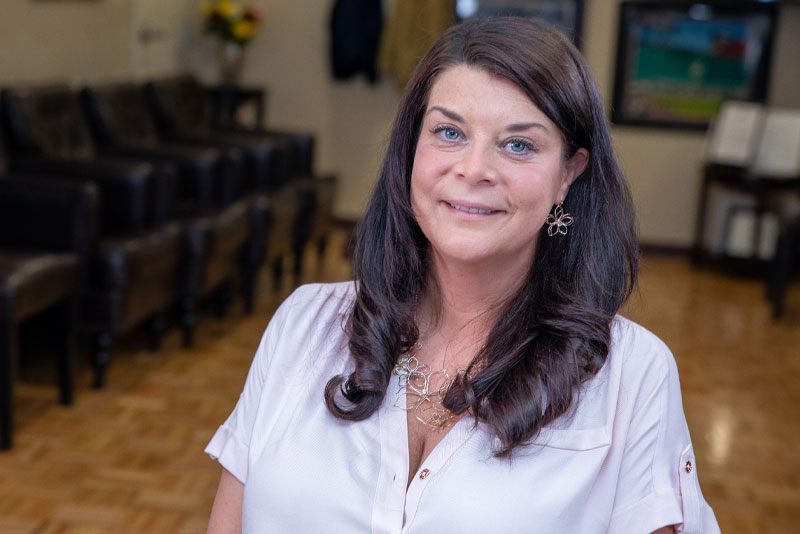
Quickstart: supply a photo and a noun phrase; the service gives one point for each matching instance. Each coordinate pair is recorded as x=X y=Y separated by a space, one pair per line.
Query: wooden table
x=760 y=187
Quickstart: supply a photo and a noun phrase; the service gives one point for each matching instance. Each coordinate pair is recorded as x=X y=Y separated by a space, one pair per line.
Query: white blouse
x=622 y=463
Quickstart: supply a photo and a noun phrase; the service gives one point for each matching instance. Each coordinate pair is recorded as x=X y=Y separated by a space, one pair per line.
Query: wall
x=47 y=41
x=160 y=31
x=83 y=40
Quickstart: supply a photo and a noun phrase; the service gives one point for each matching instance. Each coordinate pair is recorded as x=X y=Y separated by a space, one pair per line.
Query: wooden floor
x=129 y=458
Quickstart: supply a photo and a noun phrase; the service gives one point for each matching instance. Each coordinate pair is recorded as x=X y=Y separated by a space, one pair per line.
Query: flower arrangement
x=230 y=21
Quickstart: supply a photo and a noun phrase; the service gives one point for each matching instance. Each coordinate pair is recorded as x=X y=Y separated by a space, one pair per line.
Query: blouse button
x=688 y=466
x=424 y=473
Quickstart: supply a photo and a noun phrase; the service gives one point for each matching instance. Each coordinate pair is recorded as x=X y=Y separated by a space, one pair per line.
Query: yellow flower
x=228 y=9
x=243 y=29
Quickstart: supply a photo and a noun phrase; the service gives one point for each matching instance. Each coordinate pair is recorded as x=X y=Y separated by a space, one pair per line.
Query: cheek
x=552 y=184
x=430 y=163
x=423 y=177
x=416 y=194
x=536 y=193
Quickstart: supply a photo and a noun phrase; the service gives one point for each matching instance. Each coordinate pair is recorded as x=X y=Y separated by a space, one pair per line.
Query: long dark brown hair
x=554 y=334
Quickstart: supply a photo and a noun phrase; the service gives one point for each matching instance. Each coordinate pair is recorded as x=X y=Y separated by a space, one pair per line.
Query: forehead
x=483 y=94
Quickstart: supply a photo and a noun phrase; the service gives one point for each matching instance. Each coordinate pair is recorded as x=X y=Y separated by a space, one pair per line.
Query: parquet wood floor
x=128 y=459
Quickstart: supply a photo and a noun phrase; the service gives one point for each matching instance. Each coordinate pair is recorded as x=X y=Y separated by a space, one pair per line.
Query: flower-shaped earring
x=558 y=221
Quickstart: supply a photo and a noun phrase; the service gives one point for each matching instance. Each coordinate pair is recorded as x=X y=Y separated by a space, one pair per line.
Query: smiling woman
x=482 y=381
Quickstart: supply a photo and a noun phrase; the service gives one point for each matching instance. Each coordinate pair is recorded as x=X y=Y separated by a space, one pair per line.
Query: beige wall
x=78 y=41
x=159 y=32
x=45 y=41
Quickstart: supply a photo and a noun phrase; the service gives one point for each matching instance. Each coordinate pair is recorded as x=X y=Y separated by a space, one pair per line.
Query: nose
x=476 y=164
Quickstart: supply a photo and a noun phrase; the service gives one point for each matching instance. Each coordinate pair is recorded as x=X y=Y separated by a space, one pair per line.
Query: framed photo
x=678 y=61
x=566 y=15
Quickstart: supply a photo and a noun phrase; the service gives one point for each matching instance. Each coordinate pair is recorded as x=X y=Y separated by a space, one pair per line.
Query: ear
x=574 y=167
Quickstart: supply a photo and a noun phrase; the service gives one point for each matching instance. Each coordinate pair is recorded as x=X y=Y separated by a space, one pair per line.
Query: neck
x=469 y=297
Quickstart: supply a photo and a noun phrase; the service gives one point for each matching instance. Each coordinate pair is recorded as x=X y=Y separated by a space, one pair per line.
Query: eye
x=447 y=133
x=519 y=146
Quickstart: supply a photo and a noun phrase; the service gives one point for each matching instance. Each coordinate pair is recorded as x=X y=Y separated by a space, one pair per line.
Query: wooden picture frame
x=678 y=61
x=566 y=15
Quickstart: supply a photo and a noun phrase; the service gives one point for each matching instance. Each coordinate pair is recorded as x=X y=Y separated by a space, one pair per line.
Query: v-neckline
x=455 y=436
x=400 y=500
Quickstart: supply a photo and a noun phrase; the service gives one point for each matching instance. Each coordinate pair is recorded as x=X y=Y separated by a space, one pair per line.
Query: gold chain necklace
x=425 y=389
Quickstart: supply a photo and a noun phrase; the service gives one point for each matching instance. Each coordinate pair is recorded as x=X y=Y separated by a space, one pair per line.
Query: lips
x=471 y=208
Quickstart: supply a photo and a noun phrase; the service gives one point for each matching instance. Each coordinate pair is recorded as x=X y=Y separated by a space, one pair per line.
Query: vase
x=231 y=58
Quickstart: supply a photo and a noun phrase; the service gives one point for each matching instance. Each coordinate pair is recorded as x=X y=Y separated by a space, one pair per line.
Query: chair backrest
x=47 y=121
x=118 y=113
x=37 y=215
x=179 y=104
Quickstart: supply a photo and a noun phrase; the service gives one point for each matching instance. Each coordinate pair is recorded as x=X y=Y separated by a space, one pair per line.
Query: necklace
x=425 y=389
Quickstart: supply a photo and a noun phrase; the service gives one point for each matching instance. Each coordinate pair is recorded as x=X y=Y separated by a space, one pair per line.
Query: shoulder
x=341 y=293
x=316 y=304
x=644 y=372
x=629 y=336
x=638 y=366
x=638 y=372
x=636 y=352
x=310 y=323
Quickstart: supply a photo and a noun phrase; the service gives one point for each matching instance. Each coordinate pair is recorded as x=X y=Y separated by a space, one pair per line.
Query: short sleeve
x=658 y=484
x=230 y=444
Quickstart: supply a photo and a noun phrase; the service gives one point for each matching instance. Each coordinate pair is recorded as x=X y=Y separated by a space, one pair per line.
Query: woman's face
x=489 y=166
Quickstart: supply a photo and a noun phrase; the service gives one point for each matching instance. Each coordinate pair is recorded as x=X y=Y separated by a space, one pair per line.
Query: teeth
x=470 y=210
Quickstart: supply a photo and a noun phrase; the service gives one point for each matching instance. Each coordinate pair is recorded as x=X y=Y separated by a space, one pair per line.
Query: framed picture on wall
x=567 y=15
x=678 y=61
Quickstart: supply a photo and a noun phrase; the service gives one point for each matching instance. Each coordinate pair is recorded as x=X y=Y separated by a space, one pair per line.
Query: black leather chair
x=180 y=117
x=133 y=273
x=784 y=265
x=179 y=120
x=183 y=108
x=223 y=227
x=121 y=127
x=46 y=232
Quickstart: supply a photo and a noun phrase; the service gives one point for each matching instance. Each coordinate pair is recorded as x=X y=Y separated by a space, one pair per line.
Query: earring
x=558 y=221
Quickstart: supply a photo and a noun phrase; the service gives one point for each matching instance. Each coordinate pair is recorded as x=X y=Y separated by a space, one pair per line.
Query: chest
x=422 y=440
x=312 y=473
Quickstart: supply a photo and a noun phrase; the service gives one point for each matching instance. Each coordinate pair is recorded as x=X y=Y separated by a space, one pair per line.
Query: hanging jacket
x=355 y=33
x=411 y=30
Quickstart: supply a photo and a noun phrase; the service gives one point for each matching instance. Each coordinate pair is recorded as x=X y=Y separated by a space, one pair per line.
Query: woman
x=475 y=377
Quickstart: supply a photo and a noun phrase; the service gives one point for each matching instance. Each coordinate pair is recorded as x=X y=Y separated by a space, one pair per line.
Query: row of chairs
x=124 y=201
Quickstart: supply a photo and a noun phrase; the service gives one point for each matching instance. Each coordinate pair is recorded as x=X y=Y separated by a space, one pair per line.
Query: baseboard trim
x=652 y=249
x=343 y=223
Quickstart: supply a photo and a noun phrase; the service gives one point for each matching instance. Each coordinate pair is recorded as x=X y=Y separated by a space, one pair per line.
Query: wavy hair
x=555 y=332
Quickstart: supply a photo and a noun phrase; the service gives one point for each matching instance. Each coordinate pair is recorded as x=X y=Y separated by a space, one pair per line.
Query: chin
x=477 y=257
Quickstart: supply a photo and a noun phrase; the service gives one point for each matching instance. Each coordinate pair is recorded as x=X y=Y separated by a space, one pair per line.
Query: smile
x=466 y=209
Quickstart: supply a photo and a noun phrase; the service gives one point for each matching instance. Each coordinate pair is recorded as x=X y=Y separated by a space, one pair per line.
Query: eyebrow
x=452 y=115
x=513 y=128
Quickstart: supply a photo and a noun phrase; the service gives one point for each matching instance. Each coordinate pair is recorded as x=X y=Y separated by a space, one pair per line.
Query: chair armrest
x=196 y=155
x=195 y=165
x=40 y=214
x=126 y=189
x=300 y=146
